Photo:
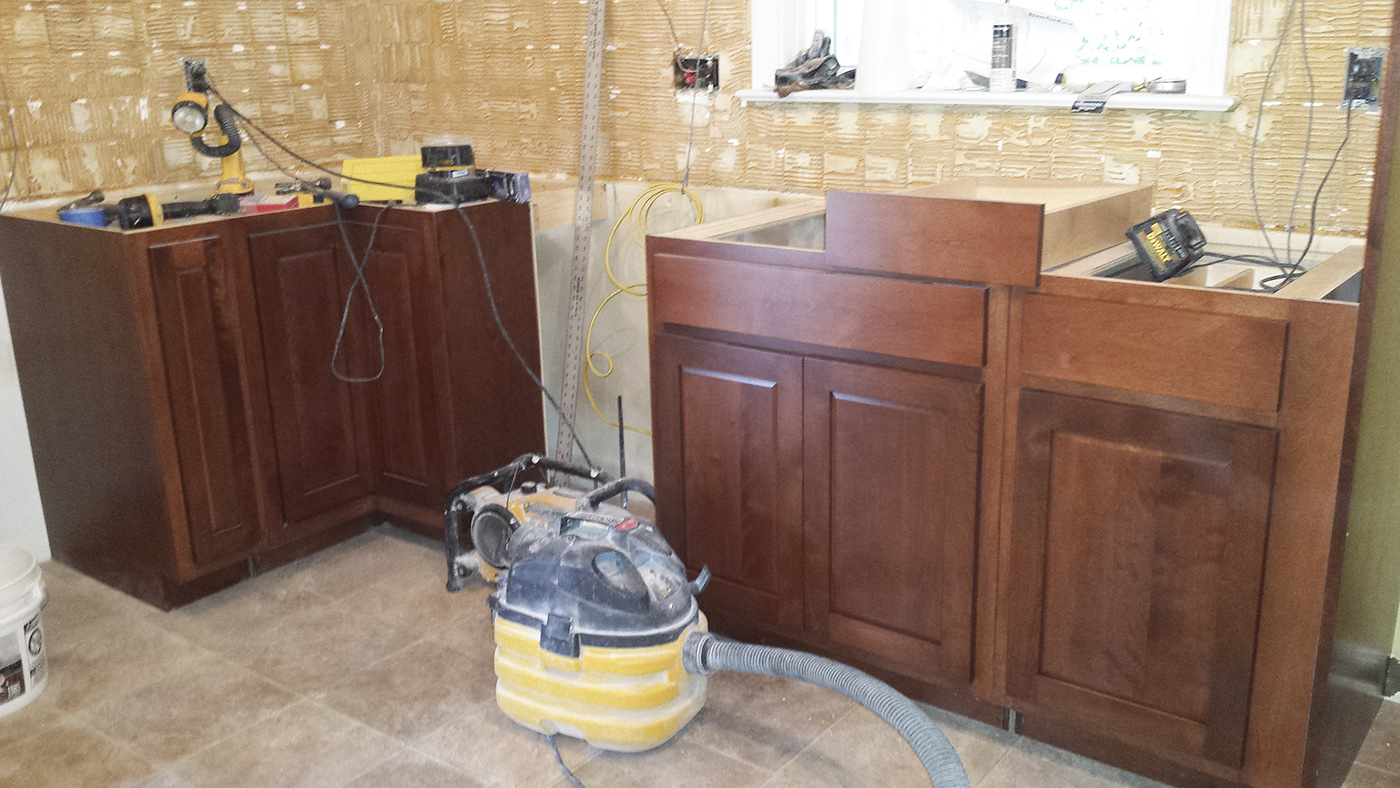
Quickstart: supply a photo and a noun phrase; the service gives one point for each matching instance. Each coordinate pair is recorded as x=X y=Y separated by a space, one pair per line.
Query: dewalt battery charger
x=1168 y=242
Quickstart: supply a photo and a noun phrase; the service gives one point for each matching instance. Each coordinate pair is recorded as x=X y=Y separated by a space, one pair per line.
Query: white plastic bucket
x=23 y=663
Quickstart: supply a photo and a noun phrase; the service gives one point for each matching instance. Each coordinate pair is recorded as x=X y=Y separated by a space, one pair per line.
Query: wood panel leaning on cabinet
x=186 y=426
x=1002 y=490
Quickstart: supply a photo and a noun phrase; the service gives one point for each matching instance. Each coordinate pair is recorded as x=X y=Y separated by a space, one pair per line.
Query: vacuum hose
x=705 y=653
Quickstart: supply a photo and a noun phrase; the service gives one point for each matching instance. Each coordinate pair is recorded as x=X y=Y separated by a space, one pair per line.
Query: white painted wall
x=21 y=517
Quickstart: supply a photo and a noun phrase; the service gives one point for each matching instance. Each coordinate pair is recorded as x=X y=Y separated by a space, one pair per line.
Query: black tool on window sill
x=1168 y=242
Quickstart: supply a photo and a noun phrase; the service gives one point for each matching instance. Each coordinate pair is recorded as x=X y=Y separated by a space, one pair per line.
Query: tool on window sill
x=814 y=68
x=598 y=633
x=190 y=114
x=1093 y=100
x=1168 y=242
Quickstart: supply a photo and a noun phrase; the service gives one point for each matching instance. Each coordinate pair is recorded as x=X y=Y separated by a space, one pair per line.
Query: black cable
x=559 y=759
x=695 y=96
x=359 y=264
x=14 y=140
x=480 y=257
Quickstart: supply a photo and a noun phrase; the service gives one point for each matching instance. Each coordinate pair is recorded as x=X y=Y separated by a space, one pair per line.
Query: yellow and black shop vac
x=598 y=633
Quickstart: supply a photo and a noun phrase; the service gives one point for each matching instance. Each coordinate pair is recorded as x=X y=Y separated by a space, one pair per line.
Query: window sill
x=972 y=98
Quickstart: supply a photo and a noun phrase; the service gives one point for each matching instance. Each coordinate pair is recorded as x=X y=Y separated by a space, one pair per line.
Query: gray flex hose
x=705 y=653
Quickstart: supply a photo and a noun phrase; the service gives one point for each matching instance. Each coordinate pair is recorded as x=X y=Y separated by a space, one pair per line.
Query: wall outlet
x=696 y=73
x=1362 y=87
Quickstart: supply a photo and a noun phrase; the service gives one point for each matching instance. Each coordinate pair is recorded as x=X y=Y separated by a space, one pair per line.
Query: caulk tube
x=1002 y=77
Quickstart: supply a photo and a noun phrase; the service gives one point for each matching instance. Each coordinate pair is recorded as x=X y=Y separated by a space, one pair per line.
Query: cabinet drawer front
x=1208 y=357
x=918 y=320
x=1136 y=571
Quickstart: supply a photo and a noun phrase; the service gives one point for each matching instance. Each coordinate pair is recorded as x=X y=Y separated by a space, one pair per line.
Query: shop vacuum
x=598 y=632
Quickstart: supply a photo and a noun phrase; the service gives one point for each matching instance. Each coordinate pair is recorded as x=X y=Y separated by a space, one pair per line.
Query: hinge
x=1392 y=677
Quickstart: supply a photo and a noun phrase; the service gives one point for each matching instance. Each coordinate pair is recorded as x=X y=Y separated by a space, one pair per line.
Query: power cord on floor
x=476 y=241
x=559 y=759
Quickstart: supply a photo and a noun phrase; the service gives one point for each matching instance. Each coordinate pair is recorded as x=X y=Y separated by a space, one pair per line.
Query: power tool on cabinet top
x=598 y=632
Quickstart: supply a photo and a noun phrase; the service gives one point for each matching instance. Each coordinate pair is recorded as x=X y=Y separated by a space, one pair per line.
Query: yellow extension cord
x=637 y=214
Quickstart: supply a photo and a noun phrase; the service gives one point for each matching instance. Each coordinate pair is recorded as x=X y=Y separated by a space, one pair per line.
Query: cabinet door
x=319 y=421
x=891 y=480
x=728 y=424
x=1135 y=580
x=402 y=402
x=206 y=348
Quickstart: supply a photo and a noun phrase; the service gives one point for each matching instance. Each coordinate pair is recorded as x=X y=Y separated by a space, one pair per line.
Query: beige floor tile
x=680 y=763
x=187 y=709
x=373 y=557
x=71 y=756
x=420 y=602
x=249 y=611
x=42 y=713
x=761 y=720
x=412 y=769
x=1382 y=747
x=315 y=648
x=303 y=746
x=162 y=780
x=859 y=750
x=76 y=601
x=416 y=690
x=111 y=658
x=1031 y=764
x=498 y=753
x=1362 y=776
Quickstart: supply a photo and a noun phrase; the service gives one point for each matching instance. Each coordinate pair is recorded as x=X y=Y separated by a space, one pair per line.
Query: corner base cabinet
x=940 y=435
x=201 y=402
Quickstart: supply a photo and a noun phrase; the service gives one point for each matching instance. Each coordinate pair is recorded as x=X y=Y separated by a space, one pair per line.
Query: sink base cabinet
x=186 y=425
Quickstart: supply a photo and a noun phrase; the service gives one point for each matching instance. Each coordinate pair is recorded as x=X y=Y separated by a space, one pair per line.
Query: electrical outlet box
x=1363 y=78
x=696 y=73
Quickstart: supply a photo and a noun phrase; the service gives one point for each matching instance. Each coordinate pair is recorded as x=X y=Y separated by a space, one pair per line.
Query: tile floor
x=355 y=668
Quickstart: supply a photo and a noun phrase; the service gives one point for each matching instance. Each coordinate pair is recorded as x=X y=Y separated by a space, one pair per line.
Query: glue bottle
x=1002 y=78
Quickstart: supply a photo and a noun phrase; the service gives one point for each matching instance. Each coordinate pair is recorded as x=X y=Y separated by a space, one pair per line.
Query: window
x=1133 y=40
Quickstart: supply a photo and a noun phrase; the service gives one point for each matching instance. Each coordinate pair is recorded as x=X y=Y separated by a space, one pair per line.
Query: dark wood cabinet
x=319 y=421
x=209 y=348
x=891 y=491
x=186 y=424
x=1138 y=542
x=733 y=485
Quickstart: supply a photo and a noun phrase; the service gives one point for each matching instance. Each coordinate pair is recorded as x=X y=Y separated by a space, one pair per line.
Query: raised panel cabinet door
x=302 y=276
x=1138 y=544
x=205 y=347
x=402 y=402
x=728 y=449
x=891 y=478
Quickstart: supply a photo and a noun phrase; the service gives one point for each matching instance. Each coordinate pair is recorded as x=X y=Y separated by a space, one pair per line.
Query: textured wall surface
x=92 y=83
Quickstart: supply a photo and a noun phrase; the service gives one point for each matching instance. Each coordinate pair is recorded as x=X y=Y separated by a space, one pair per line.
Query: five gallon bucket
x=23 y=667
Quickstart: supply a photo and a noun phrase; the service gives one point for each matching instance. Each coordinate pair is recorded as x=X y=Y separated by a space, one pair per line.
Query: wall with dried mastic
x=92 y=83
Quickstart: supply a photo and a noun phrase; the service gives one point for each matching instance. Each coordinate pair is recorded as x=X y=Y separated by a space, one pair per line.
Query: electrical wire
x=1312 y=113
x=694 y=98
x=1259 y=124
x=559 y=759
x=636 y=218
x=480 y=258
x=360 y=264
x=14 y=140
x=671 y=24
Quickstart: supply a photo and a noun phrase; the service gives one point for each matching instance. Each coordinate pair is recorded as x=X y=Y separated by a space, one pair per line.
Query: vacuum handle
x=526 y=462
x=591 y=500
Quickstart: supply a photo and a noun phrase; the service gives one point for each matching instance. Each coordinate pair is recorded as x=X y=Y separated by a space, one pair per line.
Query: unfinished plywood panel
x=92 y=82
